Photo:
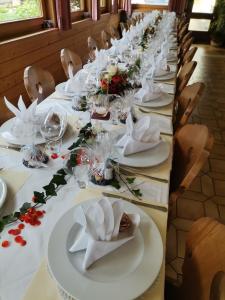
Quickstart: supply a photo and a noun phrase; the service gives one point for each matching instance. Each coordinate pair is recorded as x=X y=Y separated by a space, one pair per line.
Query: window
x=150 y=2
x=203 y=6
x=199 y=25
x=19 y=10
x=76 y=5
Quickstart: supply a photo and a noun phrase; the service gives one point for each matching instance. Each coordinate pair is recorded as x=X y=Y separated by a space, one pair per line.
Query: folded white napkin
x=161 y=67
x=25 y=118
x=148 y=92
x=76 y=83
x=139 y=137
x=100 y=232
x=22 y=113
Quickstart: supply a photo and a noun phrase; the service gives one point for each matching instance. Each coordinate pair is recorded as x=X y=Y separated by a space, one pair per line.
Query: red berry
x=44 y=212
x=39 y=213
x=54 y=155
x=17 y=232
x=5 y=244
x=34 y=198
x=23 y=243
x=63 y=156
x=18 y=239
x=11 y=231
x=21 y=226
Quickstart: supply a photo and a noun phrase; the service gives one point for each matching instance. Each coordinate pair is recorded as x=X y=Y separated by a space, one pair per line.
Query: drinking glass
x=53 y=128
x=81 y=170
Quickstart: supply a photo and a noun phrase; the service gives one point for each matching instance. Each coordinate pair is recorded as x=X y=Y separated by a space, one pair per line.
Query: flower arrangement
x=113 y=81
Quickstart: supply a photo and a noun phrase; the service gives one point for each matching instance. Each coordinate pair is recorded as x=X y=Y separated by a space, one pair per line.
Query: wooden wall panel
x=43 y=49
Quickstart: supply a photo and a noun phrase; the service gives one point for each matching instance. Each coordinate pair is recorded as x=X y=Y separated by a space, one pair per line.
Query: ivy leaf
x=25 y=207
x=115 y=183
x=39 y=197
x=57 y=180
x=130 y=180
x=61 y=172
x=137 y=192
x=76 y=144
x=50 y=189
x=17 y=214
x=2 y=225
x=73 y=160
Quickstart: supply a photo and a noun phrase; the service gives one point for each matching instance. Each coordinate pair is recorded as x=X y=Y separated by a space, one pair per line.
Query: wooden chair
x=192 y=146
x=182 y=32
x=187 y=57
x=105 y=40
x=187 y=102
x=114 y=32
x=123 y=26
x=184 y=75
x=204 y=263
x=39 y=83
x=71 y=62
x=92 y=46
x=187 y=36
x=185 y=47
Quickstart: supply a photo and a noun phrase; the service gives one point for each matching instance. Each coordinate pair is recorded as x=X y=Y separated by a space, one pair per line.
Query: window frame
x=79 y=14
x=17 y=28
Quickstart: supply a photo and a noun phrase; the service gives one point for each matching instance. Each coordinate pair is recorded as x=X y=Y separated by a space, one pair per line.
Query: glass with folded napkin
x=141 y=136
x=24 y=123
x=149 y=91
x=105 y=227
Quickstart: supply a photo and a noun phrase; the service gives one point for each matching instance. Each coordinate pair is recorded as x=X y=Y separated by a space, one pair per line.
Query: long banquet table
x=23 y=271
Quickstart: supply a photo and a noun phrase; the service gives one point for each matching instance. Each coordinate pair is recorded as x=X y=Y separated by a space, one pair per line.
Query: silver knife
x=16 y=148
x=162 y=208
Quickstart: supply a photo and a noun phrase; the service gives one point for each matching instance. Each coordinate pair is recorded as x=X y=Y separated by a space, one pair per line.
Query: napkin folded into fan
x=141 y=136
x=161 y=67
x=24 y=116
x=76 y=83
x=101 y=229
x=148 y=92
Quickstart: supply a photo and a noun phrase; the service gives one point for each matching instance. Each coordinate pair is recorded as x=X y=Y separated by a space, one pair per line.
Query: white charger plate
x=3 y=192
x=163 y=100
x=148 y=158
x=124 y=274
x=168 y=76
x=6 y=134
x=60 y=88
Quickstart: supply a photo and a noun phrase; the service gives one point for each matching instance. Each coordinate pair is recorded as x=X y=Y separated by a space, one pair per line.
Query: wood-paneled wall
x=43 y=49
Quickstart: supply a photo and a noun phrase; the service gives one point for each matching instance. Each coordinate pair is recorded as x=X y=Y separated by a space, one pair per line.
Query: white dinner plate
x=148 y=158
x=6 y=134
x=60 y=88
x=163 y=100
x=3 y=192
x=123 y=274
x=168 y=76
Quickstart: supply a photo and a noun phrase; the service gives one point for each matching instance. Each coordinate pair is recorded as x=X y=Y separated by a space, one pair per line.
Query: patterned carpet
x=206 y=197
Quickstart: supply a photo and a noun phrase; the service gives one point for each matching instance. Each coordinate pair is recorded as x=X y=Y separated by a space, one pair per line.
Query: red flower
x=104 y=84
x=117 y=79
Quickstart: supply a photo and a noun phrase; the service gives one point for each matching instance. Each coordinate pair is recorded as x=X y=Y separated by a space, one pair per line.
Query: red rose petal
x=54 y=155
x=5 y=244
x=18 y=239
x=23 y=243
x=21 y=226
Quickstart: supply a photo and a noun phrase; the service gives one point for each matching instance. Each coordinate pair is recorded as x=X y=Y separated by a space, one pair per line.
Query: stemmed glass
x=53 y=128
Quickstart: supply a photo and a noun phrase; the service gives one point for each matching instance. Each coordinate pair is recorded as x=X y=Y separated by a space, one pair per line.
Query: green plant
x=217 y=27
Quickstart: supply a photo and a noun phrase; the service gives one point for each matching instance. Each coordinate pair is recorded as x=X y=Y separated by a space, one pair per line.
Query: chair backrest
x=182 y=32
x=123 y=26
x=92 y=46
x=189 y=55
x=204 y=263
x=187 y=36
x=105 y=40
x=71 y=62
x=187 y=102
x=114 y=32
x=186 y=46
x=192 y=145
x=184 y=75
x=39 y=83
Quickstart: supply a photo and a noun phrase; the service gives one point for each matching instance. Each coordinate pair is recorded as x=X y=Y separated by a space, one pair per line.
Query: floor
x=206 y=197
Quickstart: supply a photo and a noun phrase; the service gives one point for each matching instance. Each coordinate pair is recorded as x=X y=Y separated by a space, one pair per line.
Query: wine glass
x=81 y=170
x=53 y=128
